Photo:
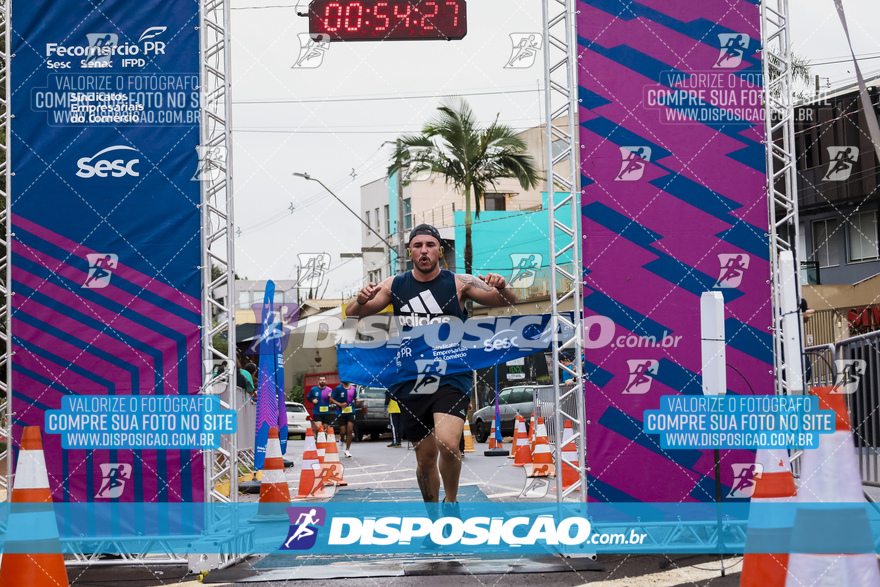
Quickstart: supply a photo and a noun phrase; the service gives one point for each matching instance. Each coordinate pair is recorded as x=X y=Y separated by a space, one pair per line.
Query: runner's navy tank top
x=416 y=303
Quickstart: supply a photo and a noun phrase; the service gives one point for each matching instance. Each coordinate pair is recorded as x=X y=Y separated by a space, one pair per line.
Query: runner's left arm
x=489 y=290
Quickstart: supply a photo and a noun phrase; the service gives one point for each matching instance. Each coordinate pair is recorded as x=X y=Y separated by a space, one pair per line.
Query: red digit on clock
x=327 y=17
x=405 y=16
x=430 y=18
x=385 y=17
x=358 y=18
x=454 y=6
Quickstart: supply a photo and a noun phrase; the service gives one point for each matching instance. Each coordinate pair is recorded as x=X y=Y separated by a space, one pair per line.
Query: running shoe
x=347 y=453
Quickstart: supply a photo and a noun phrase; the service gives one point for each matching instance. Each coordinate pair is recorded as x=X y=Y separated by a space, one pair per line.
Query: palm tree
x=470 y=158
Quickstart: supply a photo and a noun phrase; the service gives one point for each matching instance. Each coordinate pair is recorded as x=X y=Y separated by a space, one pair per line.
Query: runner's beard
x=417 y=265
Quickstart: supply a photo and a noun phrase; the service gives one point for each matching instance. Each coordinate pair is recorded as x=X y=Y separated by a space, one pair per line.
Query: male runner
x=343 y=397
x=321 y=412
x=433 y=421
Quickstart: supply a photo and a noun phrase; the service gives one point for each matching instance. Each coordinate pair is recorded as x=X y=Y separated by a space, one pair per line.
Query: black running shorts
x=417 y=411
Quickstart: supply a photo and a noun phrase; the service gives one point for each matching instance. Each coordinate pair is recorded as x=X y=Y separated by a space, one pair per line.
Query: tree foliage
x=470 y=158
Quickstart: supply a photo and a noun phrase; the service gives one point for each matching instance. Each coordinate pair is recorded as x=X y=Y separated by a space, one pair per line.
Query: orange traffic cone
x=570 y=475
x=496 y=447
x=468 y=439
x=309 y=488
x=542 y=460
x=773 y=483
x=532 y=428
x=273 y=486
x=332 y=456
x=322 y=443
x=493 y=443
x=830 y=474
x=32 y=553
x=521 y=451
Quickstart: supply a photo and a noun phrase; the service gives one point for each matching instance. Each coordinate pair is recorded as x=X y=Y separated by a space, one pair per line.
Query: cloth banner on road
x=271 y=412
x=674 y=204
x=105 y=251
x=426 y=352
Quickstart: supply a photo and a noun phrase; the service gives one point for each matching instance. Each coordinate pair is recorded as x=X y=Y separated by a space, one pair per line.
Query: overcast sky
x=318 y=121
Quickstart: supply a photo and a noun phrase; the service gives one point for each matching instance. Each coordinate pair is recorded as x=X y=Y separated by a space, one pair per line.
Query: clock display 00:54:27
x=373 y=20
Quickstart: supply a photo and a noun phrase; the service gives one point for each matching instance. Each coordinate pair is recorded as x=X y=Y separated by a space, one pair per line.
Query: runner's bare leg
x=349 y=432
x=426 y=468
x=447 y=433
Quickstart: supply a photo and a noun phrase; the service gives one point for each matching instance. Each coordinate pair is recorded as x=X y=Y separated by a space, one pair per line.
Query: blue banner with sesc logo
x=105 y=247
x=425 y=353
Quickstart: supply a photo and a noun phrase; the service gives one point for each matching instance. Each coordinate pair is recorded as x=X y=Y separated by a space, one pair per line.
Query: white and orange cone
x=273 y=486
x=32 y=552
x=309 y=488
x=542 y=459
x=468 y=438
x=570 y=475
x=332 y=457
x=522 y=453
x=322 y=443
x=830 y=474
x=493 y=443
x=532 y=429
x=768 y=526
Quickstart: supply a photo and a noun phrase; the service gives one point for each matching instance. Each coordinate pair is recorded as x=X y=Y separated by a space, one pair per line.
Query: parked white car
x=297 y=421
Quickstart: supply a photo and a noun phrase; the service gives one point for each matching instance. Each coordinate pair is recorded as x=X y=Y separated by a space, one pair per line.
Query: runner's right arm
x=372 y=299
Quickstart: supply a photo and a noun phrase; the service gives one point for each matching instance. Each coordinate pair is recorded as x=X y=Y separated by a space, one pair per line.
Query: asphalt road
x=375 y=466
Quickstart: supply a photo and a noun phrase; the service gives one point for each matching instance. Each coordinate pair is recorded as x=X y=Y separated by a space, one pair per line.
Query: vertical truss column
x=781 y=159
x=218 y=293
x=5 y=283
x=560 y=101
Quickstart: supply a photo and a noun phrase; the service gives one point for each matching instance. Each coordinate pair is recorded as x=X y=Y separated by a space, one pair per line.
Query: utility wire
x=433 y=95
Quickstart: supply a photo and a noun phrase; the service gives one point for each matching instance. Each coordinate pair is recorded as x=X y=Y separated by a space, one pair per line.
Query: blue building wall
x=498 y=235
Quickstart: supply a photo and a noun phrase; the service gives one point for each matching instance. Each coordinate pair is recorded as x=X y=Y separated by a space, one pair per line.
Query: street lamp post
x=370 y=228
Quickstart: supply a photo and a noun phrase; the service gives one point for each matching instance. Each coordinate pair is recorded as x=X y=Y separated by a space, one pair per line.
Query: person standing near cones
x=319 y=395
x=432 y=421
x=392 y=410
x=343 y=397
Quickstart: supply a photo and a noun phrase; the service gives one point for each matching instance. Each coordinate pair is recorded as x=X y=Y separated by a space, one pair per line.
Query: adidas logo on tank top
x=420 y=310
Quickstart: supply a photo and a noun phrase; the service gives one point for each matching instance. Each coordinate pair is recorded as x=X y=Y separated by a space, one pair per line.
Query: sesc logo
x=100 y=167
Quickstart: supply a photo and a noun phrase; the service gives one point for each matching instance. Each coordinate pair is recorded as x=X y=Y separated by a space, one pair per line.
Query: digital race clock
x=388 y=20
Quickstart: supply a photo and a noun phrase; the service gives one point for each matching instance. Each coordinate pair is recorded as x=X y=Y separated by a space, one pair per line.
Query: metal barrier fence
x=853 y=364
x=858 y=367
x=545 y=407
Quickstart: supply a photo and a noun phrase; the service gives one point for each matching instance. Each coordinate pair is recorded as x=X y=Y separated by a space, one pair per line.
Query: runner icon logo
x=733 y=267
x=101 y=267
x=744 y=476
x=430 y=372
x=113 y=478
x=312 y=267
x=327 y=475
x=632 y=166
x=535 y=488
x=641 y=375
x=103 y=45
x=841 y=163
x=311 y=51
x=212 y=160
x=733 y=49
x=849 y=375
x=525 y=50
x=303 y=532
x=525 y=268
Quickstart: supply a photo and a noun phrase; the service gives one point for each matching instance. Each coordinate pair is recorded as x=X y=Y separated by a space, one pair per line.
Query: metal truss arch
x=563 y=172
x=781 y=168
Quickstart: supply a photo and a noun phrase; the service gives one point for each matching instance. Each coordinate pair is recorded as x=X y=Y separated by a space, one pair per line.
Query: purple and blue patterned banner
x=105 y=248
x=271 y=409
x=673 y=204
